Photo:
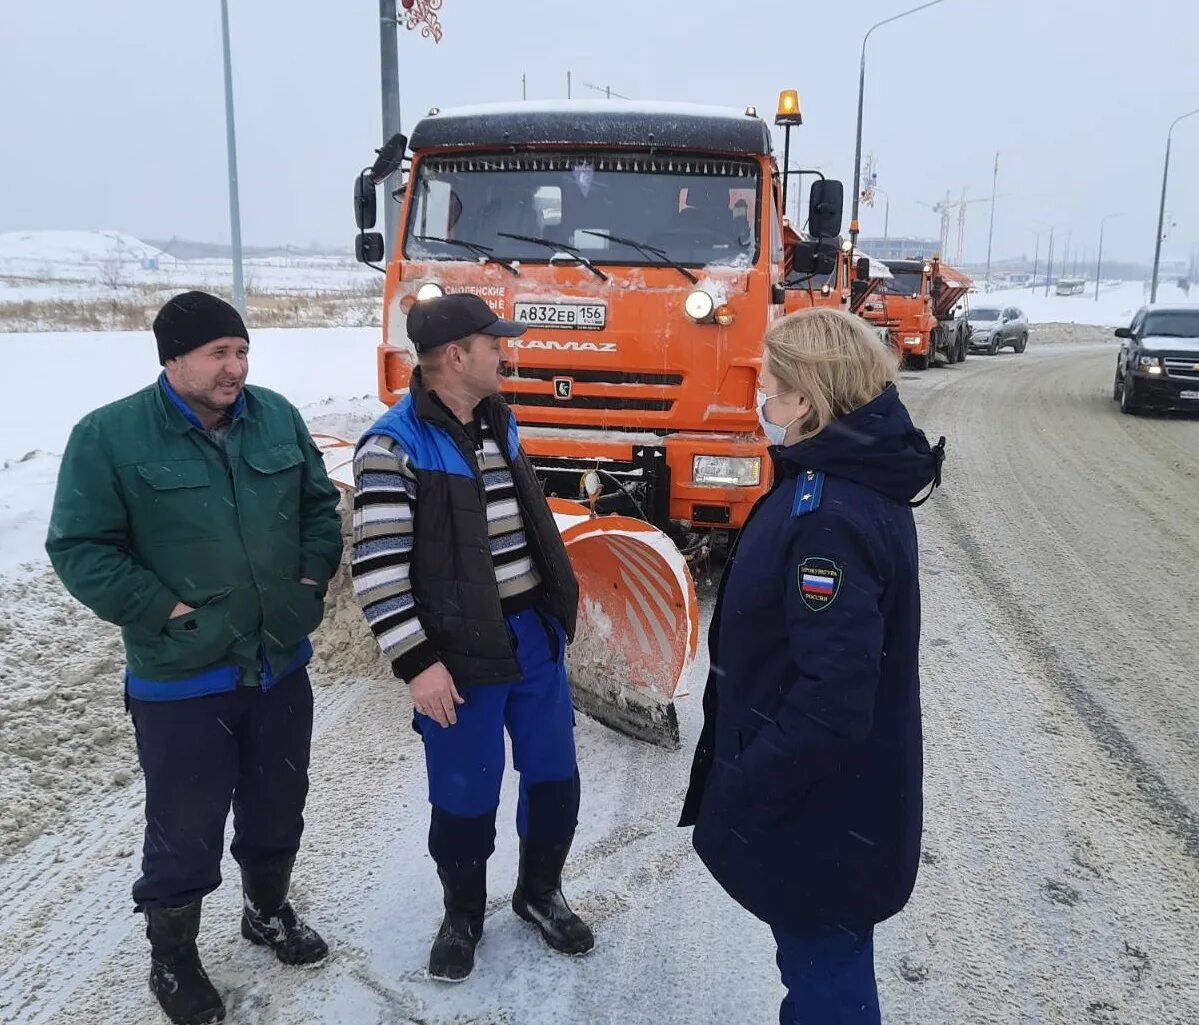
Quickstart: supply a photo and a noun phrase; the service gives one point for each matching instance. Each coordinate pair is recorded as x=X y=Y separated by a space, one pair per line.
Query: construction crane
x=945 y=208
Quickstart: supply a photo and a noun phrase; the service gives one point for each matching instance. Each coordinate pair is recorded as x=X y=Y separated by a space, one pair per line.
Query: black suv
x=1158 y=364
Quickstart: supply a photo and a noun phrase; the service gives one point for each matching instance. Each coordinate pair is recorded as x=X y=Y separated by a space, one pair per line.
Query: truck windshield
x=1173 y=324
x=904 y=283
x=694 y=210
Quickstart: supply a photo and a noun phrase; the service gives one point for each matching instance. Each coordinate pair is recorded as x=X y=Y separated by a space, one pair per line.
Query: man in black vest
x=464 y=580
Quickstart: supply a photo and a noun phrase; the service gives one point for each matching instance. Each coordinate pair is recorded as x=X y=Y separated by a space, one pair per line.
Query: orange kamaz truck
x=920 y=306
x=643 y=244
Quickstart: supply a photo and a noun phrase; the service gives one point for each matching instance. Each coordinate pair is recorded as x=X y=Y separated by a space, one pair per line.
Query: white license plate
x=570 y=316
x=1188 y=394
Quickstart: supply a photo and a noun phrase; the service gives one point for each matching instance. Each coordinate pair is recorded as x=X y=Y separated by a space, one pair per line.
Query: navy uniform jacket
x=806 y=786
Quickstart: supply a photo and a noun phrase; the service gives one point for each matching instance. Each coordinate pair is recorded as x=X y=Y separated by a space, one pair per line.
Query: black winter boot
x=269 y=920
x=177 y=978
x=538 y=898
x=452 y=957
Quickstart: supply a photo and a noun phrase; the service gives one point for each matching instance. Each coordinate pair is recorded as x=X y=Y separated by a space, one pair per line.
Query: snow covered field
x=1114 y=308
x=76 y=265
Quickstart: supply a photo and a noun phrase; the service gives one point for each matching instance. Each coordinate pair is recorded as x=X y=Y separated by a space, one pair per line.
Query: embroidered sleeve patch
x=819 y=582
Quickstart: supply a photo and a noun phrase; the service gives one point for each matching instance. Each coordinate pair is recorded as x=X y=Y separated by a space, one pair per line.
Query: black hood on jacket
x=876 y=446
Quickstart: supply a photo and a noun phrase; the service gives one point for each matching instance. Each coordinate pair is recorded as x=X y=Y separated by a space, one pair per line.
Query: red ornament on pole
x=423 y=14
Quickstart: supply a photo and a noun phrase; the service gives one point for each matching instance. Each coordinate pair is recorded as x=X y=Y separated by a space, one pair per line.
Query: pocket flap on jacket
x=276 y=459
x=169 y=474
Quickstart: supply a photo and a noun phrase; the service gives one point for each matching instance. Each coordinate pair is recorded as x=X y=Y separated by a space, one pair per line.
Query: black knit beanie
x=192 y=319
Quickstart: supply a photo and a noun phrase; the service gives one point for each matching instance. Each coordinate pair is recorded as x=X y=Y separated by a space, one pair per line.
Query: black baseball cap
x=450 y=318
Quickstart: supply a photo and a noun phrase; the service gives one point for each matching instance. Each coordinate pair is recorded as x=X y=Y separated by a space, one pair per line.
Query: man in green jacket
x=196 y=514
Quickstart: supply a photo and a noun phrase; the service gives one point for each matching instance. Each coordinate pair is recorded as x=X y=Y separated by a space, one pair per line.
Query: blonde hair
x=832 y=359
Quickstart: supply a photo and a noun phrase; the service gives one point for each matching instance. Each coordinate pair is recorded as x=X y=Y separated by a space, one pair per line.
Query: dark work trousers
x=465 y=762
x=248 y=748
x=829 y=978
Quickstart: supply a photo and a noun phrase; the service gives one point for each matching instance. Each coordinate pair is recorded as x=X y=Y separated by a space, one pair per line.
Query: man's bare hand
x=180 y=610
x=434 y=694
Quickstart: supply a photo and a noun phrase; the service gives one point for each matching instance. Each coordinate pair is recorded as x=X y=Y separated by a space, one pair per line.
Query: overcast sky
x=113 y=113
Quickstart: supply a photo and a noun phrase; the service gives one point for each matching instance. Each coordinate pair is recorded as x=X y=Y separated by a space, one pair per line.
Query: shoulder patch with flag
x=819 y=582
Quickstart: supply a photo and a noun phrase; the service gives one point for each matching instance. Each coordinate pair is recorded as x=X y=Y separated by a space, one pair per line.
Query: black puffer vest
x=452 y=574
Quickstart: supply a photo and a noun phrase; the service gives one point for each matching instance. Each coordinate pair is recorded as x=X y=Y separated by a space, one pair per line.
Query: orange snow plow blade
x=638 y=623
x=638 y=626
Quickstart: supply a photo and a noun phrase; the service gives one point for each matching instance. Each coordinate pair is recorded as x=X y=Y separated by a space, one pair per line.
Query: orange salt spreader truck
x=643 y=246
x=920 y=305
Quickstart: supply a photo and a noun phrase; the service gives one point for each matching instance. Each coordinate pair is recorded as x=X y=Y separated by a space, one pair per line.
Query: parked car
x=994 y=327
x=1158 y=363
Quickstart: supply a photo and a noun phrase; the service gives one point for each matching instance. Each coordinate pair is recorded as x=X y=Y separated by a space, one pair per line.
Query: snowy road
x=1060 y=875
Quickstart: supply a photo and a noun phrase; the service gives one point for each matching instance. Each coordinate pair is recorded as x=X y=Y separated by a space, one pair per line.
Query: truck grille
x=591 y=376
x=611 y=402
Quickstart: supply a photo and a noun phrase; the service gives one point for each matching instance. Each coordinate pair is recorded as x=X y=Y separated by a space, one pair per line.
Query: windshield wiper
x=480 y=250
x=645 y=250
x=573 y=252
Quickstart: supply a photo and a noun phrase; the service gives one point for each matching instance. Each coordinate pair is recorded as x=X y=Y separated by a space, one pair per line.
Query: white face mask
x=775 y=434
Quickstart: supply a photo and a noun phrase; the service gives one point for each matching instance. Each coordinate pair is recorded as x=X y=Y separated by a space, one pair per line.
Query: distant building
x=899 y=248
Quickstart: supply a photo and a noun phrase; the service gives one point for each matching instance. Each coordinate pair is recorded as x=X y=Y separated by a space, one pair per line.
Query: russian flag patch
x=819 y=582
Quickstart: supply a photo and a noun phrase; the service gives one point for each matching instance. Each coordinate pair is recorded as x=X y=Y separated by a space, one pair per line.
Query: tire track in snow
x=49 y=945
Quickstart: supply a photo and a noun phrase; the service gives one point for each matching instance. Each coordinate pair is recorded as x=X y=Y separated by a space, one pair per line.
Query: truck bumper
x=650 y=476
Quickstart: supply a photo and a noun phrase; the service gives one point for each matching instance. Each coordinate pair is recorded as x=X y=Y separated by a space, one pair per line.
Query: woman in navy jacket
x=806 y=786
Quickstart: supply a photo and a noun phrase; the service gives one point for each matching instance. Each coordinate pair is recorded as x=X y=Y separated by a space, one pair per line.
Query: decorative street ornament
x=423 y=13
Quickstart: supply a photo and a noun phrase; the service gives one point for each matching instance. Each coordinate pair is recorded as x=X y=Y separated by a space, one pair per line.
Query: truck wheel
x=1116 y=388
x=916 y=362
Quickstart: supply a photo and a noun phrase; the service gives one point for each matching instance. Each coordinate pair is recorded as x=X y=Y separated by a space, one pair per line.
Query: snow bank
x=57 y=377
x=54 y=247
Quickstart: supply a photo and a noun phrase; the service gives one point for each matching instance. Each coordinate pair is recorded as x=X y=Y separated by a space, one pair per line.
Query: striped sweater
x=384 y=501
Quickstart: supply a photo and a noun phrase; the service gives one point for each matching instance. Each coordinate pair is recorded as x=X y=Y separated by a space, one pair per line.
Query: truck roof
x=619 y=123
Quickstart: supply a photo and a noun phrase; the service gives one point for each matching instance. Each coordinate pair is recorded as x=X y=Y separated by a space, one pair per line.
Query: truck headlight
x=429 y=290
x=912 y=340
x=727 y=471
x=699 y=305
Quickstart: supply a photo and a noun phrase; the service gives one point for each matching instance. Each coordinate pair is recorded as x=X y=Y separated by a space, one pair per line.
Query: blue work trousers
x=465 y=761
x=829 y=978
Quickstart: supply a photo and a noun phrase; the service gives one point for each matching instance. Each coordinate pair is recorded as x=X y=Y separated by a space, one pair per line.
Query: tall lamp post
x=856 y=185
x=1161 y=214
x=886 y=214
x=1099 y=261
x=239 y=291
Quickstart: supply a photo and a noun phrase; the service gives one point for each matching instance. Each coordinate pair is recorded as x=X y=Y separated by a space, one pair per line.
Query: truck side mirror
x=391 y=153
x=1123 y=332
x=368 y=247
x=364 y=201
x=862 y=268
x=826 y=203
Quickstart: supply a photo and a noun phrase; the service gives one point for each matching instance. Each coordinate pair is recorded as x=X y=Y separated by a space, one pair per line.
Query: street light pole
x=239 y=290
x=856 y=184
x=1049 y=262
x=1099 y=260
x=1161 y=213
x=991 y=233
x=389 y=63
